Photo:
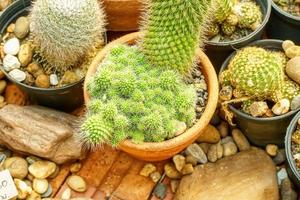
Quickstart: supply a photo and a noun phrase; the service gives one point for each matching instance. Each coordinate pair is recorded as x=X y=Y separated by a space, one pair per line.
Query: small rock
x=25 y=54
x=18 y=75
x=223 y=129
x=29 y=79
x=2 y=75
x=30 y=177
x=34 y=196
x=287 y=191
x=147 y=170
x=295 y=104
x=22 y=27
x=269 y=113
x=12 y=46
x=2 y=86
x=281 y=175
x=10 y=62
x=53 y=79
x=23 y=189
x=229 y=149
x=281 y=107
x=293 y=51
x=292 y=69
x=55 y=173
x=187 y=169
x=196 y=151
x=215 y=120
x=66 y=195
x=32 y=159
x=179 y=162
x=155 y=176
x=272 y=149
x=287 y=44
x=160 y=191
x=48 y=193
x=212 y=153
x=258 y=108
x=76 y=183
x=174 y=185
x=226 y=139
x=226 y=93
x=28 y=182
x=35 y=69
x=171 y=171
x=75 y=167
x=180 y=128
x=240 y=140
x=219 y=150
x=210 y=135
x=42 y=81
x=4 y=4
x=191 y=159
x=280 y=157
x=40 y=185
x=11 y=28
x=205 y=147
x=17 y=167
x=69 y=77
x=42 y=169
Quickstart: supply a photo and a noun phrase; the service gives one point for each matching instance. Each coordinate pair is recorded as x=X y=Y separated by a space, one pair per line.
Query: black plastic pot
x=262 y=131
x=283 y=25
x=291 y=166
x=64 y=98
x=219 y=51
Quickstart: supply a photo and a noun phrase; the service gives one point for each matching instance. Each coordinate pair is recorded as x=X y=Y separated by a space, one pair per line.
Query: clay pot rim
x=212 y=83
x=267 y=44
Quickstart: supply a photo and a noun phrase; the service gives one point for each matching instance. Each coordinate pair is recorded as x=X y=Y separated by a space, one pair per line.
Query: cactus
x=290 y=90
x=172 y=32
x=256 y=72
x=212 y=30
x=141 y=102
x=232 y=19
x=228 y=29
x=222 y=9
x=249 y=14
x=64 y=31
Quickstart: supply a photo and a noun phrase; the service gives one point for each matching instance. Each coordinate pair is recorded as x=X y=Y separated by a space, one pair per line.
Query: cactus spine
x=65 y=30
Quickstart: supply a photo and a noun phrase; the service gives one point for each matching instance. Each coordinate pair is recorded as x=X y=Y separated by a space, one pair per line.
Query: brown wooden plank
x=60 y=178
x=116 y=173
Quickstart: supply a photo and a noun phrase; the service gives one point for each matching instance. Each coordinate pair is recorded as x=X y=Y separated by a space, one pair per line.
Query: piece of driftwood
x=248 y=175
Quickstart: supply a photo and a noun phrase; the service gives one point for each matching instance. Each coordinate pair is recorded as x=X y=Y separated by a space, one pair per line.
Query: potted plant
x=235 y=24
x=292 y=149
x=284 y=21
x=259 y=91
x=46 y=51
x=142 y=98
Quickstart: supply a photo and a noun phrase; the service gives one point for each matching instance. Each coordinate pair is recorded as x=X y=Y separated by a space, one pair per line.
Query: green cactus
x=172 y=33
x=289 y=90
x=141 y=102
x=249 y=14
x=232 y=19
x=256 y=72
x=222 y=9
x=64 y=31
x=228 y=29
x=212 y=30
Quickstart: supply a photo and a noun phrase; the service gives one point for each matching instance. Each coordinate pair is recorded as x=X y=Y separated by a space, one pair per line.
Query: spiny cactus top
x=256 y=72
x=65 y=30
x=132 y=99
x=222 y=9
x=249 y=15
x=172 y=33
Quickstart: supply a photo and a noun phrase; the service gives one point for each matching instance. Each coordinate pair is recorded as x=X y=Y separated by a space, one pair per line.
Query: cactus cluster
x=64 y=31
x=229 y=15
x=133 y=99
x=172 y=32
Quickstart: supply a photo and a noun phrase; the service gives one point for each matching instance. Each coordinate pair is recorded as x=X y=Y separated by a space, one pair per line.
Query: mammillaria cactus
x=65 y=30
x=223 y=9
x=172 y=33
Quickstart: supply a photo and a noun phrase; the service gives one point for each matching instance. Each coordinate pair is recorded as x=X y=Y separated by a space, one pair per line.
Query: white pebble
x=297 y=156
x=12 y=46
x=66 y=194
x=282 y=174
x=18 y=75
x=53 y=79
x=10 y=62
x=281 y=107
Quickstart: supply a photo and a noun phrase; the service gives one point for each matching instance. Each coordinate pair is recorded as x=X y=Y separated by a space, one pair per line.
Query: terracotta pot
x=122 y=15
x=163 y=150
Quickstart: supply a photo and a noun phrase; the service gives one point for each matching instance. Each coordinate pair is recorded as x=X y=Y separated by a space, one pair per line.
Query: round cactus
x=256 y=72
x=222 y=9
x=232 y=19
x=249 y=14
x=289 y=90
x=212 y=30
x=228 y=29
x=64 y=31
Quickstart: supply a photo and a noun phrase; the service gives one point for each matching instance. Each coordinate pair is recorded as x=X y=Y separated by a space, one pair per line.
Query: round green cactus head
x=256 y=72
x=64 y=31
x=222 y=9
x=249 y=14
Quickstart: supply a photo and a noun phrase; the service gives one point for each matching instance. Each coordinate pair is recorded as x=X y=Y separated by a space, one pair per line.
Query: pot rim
x=193 y=131
x=237 y=111
x=284 y=13
x=247 y=37
x=288 y=145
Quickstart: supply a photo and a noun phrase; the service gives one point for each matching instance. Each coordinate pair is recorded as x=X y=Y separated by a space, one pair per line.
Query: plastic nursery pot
x=291 y=166
x=262 y=131
x=149 y=151
x=219 y=51
x=283 y=25
x=64 y=98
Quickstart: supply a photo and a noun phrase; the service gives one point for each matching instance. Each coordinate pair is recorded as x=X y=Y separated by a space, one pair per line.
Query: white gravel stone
x=12 y=46
x=11 y=62
x=53 y=79
x=18 y=75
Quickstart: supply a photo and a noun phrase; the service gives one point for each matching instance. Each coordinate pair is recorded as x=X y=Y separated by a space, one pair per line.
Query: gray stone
x=196 y=151
x=22 y=27
x=280 y=157
x=160 y=191
x=287 y=191
x=240 y=140
x=212 y=153
x=281 y=175
x=295 y=104
x=229 y=149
